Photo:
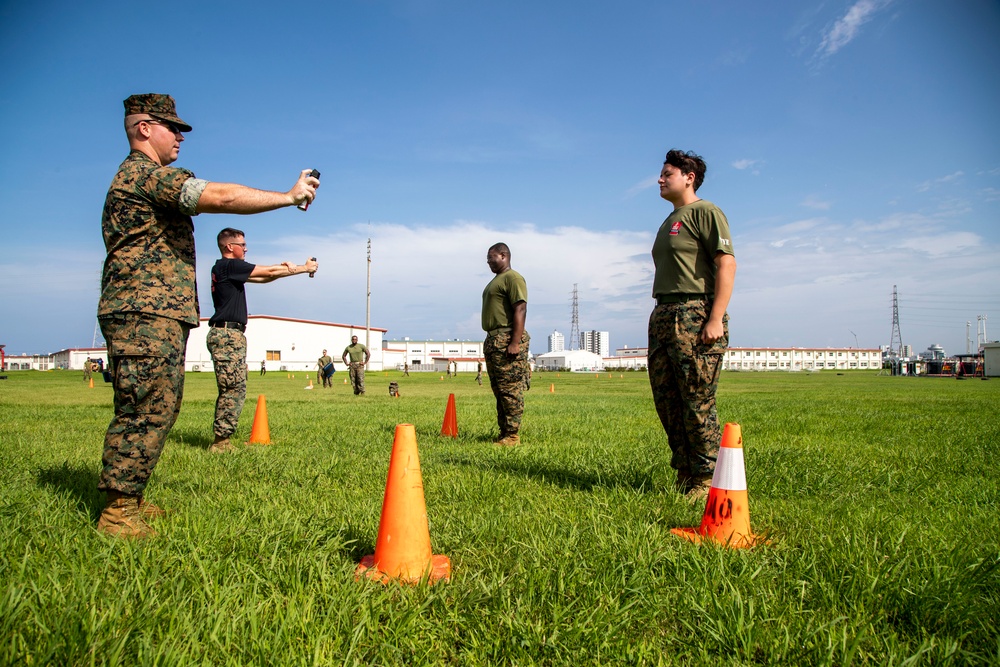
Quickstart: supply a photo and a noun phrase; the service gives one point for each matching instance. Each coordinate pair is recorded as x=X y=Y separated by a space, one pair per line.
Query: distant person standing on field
x=263 y=367
x=226 y=341
x=505 y=308
x=359 y=355
x=688 y=328
x=325 y=365
x=148 y=298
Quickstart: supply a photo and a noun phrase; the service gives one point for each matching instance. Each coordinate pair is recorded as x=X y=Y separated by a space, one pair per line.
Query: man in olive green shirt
x=359 y=358
x=505 y=307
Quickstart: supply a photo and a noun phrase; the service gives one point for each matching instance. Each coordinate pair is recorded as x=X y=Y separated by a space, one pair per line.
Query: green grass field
x=880 y=496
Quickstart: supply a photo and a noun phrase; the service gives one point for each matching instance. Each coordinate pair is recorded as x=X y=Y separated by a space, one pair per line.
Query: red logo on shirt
x=675 y=228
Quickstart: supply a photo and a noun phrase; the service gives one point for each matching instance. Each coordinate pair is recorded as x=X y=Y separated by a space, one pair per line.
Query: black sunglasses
x=165 y=123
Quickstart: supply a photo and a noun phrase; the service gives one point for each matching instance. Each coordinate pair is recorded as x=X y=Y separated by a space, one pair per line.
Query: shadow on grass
x=199 y=438
x=78 y=482
x=355 y=543
x=640 y=480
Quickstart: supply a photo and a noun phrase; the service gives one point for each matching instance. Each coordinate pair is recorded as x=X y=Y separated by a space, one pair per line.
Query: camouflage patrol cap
x=156 y=105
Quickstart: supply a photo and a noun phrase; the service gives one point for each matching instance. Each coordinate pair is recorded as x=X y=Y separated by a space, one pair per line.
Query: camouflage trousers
x=684 y=374
x=228 y=348
x=357 y=372
x=508 y=377
x=146 y=361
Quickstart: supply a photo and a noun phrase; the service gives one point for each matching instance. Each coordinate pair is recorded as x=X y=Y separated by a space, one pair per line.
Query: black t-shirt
x=229 y=277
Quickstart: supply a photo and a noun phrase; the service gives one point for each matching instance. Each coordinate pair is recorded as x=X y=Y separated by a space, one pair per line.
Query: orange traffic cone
x=552 y=388
x=260 y=434
x=727 y=511
x=450 y=424
x=310 y=385
x=403 y=548
x=91 y=383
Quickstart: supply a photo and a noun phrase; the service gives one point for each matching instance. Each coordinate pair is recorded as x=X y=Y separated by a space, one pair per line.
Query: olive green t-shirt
x=355 y=352
x=685 y=248
x=499 y=297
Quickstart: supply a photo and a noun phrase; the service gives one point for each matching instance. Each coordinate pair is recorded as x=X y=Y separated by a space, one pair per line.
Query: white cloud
x=944 y=180
x=641 y=186
x=812 y=201
x=847 y=27
x=745 y=164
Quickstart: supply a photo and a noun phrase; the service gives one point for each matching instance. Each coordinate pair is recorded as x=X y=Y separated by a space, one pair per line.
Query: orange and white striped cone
x=727 y=510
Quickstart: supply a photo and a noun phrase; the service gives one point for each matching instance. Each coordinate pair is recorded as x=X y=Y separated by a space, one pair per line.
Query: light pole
x=855 y=340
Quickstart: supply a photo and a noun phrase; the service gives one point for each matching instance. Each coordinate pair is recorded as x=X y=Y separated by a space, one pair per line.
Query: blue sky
x=852 y=144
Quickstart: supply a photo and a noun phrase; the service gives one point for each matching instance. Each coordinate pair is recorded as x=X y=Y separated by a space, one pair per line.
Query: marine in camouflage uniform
x=505 y=303
x=149 y=301
x=359 y=356
x=689 y=328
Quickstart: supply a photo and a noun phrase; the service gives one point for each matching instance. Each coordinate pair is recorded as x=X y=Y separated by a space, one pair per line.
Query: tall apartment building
x=557 y=342
x=598 y=342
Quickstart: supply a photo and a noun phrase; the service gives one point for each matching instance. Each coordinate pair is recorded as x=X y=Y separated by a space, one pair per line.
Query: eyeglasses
x=167 y=124
x=244 y=245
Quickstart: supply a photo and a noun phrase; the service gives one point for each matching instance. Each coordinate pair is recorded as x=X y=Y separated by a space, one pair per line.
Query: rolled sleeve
x=190 y=194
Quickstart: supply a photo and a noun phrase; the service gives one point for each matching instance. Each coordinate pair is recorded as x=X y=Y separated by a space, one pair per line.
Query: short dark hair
x=689 y=163
x=500 y=247
x=227 y=235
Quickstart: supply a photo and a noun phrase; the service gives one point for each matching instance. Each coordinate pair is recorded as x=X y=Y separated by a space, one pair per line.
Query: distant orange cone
x=310 y=385
x=260 y=434
x=727 y=511
x=91 y=383
x=450 y=424
x=403 y=548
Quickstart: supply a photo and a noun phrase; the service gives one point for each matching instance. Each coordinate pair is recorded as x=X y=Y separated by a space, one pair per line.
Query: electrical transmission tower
x=574 y=329
x=896 y=339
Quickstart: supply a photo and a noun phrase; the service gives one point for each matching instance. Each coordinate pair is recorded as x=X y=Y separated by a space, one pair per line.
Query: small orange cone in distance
x=450 y=424
x=552 y=388
x=260 y=434
x=403 y=548
x=310 y=386
x=727 y=511
x=91 y=383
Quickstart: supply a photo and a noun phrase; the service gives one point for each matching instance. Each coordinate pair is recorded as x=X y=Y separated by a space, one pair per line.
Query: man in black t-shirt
x=226 y=340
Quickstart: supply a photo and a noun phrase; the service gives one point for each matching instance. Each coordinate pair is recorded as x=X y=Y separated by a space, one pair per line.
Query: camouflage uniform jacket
x=149 y=237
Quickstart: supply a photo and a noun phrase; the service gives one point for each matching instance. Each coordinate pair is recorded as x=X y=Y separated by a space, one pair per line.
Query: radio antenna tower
x=896 y=339
x=574 y=329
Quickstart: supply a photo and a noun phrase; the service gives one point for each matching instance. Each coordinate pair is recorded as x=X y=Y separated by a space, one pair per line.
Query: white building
x=557 y=342
x=575 y=360
x=287 y=344
x=428 y=355
x=801 y=359
x=991 y=359
x=71 y=359
x=598 y=342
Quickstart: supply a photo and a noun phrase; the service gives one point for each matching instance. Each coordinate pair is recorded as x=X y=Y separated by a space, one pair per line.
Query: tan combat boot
x=122 y=517
x=221 y=445
x=149 y=510
x=509 y=440
x=699 y=488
